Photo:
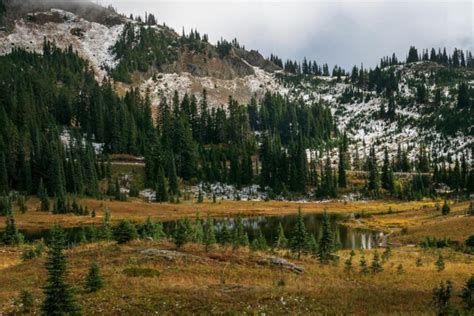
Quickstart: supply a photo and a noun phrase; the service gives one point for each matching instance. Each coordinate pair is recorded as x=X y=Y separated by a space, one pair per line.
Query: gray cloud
x=344 y=32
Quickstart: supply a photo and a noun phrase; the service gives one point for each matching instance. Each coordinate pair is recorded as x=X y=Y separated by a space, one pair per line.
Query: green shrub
x=432 y=242
x=467 y=294
x=33 y=252
x=445 y=209
x=27 y=301
x=94 y=280
x=125 y=232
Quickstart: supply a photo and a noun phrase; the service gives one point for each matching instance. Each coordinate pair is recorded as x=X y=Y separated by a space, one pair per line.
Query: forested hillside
x=42 y=97
x=295 y=129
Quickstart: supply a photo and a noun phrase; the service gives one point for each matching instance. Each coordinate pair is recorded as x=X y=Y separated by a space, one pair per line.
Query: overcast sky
x=344 y=32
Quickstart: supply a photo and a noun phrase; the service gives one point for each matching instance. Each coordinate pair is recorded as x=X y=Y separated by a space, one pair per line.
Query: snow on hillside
x=91 y=40
x=364 y=127
x=219 y=90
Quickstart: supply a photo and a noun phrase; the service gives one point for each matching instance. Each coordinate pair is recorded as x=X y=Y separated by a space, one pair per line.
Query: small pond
x=348 y=238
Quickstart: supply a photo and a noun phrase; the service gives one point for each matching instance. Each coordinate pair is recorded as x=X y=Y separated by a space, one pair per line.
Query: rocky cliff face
x=209 y=64
x=83 y=9
x=254 y=58
x=93 y=30
x=242 y=74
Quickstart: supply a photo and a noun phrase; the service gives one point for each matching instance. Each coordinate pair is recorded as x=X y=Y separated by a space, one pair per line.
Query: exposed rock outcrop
x=170 y=255
x=280 y=262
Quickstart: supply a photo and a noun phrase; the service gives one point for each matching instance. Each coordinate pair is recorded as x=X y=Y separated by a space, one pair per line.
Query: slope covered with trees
x=59 y=125
x=55 y=94
x=44 y=96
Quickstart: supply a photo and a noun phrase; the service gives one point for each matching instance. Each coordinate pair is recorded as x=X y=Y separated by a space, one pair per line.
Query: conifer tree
x=440 y=263
x=182 y=233
x=259 y=243
x=376 y=266
x=5 y=206
x=312 y=246
x=387 y=173
x=11 y=235
x=3 y=174
x=90 y=171
x=209 y=234
x=161 y=187
x=412 y=55
x=441 y=297
x=119 y=196
x=239 y=235
x=281 y=241
x=151 y=229
x=59 y=296
x=299 y=237
x=467 y=295
x=348 y=263
x=82 y=236
x=327 y=188
x=364 y=269
x=184 y=149
x=225 y=236
x=336 y=244
x=94 y=281
x=445 y=209
x=463 y=95
x=326 y=241
x=60 y=206
x=198 y=233
x=106 y=231
x=200 y=198
x=21 y=202
x=173 y=178
x=43 y=196
x=373 y=177
x=125 y=232
x=27 y=301
x=470 y=209
x=342 y=168
x=386 y=254
x=56 y=171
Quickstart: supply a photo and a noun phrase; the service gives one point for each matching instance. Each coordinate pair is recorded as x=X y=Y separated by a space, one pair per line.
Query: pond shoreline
x=138 y=211
x=344 y=237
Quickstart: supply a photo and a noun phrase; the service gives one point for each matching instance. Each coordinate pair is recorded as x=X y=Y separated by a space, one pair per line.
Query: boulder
x=280 y=262
x=170 y=255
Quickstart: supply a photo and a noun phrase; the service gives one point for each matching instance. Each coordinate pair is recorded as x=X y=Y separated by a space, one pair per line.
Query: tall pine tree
x=59 y=296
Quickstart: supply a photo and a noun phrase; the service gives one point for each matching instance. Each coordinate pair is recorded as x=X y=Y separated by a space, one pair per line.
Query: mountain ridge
x=227 y=69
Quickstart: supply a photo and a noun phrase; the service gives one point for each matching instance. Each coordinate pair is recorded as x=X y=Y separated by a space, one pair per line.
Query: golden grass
x=422 y=222
x=138 y=210
x=188 y=286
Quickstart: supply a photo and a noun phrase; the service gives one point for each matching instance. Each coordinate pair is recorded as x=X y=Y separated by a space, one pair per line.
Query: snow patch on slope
x=365 y=128
x=219 y=90
x=93 y=43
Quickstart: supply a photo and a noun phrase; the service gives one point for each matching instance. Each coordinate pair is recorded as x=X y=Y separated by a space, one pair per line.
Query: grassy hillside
x=235 y=282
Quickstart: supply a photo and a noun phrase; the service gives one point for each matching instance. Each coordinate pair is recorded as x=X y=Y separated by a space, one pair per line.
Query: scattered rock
x=280 y=262
x=169 y=255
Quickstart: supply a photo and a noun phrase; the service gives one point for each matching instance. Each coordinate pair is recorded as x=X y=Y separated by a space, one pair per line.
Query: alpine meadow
x=150 y=168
